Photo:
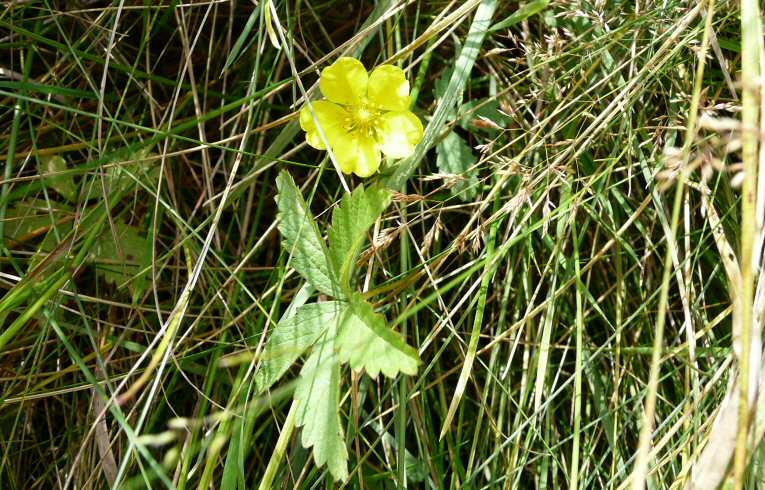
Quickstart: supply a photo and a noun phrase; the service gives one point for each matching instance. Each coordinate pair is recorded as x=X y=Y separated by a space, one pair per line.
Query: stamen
x=363 y=118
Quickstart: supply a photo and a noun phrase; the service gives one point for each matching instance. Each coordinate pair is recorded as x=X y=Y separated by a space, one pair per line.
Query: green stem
x=578 y=361
x=403 y=395
x=641 y=462
x=750 y=75
x=11 y=155
x=475 y=334
x=280 y=449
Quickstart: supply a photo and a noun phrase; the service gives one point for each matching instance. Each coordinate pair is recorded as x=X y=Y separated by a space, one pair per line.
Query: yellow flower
x=362 y=116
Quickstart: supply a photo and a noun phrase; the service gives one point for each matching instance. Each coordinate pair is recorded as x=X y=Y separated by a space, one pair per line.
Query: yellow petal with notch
x=344 y=81
x=357 y=153
x=398 y=133
x=388 y=88
x=330 y=116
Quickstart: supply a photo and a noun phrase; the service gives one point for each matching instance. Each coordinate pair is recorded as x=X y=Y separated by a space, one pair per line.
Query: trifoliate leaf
x=301 y=237
x=351 y=221
x=318 y=395
x=292 y=336
x=63 y=184
x=368 y=343
x=454 y=156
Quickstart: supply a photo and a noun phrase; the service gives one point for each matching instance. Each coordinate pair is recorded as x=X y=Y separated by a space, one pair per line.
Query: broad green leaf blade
x=351 y=220
x=442 y=83
x=318 y=393
x=301 y=237
x=292 y=336
x=123 y=256
x=63 y=184
x=366 y=341
x=454 y=156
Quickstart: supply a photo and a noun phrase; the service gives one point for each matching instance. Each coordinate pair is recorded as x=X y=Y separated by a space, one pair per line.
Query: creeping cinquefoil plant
x=362 y=116
x=345 y=329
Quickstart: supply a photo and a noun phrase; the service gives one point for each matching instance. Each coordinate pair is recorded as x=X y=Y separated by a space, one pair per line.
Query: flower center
x=363 y=119
x=363 y=114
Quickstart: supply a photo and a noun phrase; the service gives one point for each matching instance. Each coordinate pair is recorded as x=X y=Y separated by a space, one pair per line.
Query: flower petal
x=388 y=88
x=398 y=133
x=332 y=119
x=344 y=81
x=357 y=153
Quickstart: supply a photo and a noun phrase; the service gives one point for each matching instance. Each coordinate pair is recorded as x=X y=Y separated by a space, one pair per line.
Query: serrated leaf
x=292 y=336
x=63 y=184
x=301 y=237
x=366 y=342
x=351 y=220
x=454 y=156
x=123 y=257
x=318 y=394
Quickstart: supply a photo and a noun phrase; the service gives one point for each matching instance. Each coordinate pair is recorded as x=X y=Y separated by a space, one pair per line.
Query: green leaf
x=488 y=110
x=293 y=335
x=125 y=256
x=318 y=393
x=32 y=218
x=368 y=343
x=63 y=184
x=523 y=13
x=351 y=220
x=301 y=237
x=236 y=49
x=454 y=156
x=440 y=89
x=19 y=86
x=416 y=469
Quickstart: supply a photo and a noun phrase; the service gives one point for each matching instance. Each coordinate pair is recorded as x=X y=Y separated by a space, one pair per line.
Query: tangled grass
x=563 y=250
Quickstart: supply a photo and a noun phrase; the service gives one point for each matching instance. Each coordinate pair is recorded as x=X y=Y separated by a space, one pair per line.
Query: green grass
x=566 y=249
